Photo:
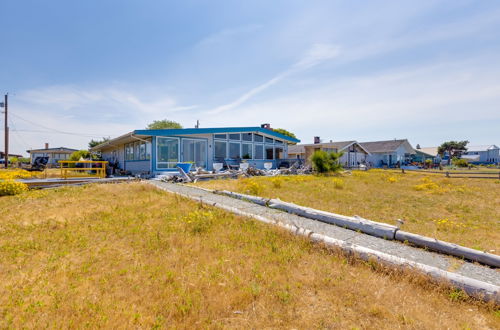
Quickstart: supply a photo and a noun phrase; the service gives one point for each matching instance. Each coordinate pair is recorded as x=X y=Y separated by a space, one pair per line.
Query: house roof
x=135 y=135
x=60 y=149
x=189 y=131
x=296 y=149
x=386 y=146
x=482 y=148
x=339 y=145
x=433 y=151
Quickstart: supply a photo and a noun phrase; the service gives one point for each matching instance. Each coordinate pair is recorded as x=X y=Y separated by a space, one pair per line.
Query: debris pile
x=201 y=174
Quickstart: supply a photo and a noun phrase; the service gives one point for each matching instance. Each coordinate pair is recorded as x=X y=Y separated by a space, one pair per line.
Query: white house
x=482 y=154
x=388 y=153
x=54 y=154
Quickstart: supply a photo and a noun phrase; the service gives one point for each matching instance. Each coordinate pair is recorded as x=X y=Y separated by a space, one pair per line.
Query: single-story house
x=423 y=154
x=388 y=153
x=486 y=154
x=54 y=154
x=159 y=151
x=354 y=153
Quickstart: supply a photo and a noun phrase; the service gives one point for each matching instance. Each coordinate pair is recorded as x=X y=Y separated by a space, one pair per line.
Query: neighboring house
x=487 y=154
x=158 y=151
x=423 y=154
x=388 y=153
x=354 y=153
x=54 y=154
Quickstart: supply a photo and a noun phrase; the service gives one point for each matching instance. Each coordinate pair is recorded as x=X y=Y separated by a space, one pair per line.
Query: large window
x=246 y=137
x=234 y=150
x=167 y=152
x=140 y=150
x=258 y=138
x=259 y=151
x=220 y=150
x=246 y=151
x=269 y=140
x=235 y=137
x=194 y=151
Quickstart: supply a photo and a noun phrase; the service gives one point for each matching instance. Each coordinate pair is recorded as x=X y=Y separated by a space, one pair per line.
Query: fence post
x=447 y=174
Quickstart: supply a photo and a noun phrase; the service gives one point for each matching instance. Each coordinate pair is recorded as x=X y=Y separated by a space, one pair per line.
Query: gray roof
x=482 y=148
x=296 y=149
x=383 y=146
x=339 y=145
x=60 y=149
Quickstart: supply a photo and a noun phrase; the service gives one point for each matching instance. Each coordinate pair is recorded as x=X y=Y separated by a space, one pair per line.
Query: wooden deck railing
x=89 y=168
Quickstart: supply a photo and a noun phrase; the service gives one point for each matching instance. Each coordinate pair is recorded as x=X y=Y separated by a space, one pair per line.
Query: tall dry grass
x=130 y=256
x=462 y=211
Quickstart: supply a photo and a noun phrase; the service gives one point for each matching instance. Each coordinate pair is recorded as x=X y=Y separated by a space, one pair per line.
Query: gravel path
x=393 y=248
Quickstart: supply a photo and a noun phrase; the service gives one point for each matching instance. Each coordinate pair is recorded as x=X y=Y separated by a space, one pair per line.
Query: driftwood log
x=449 y=248
x=373 y=228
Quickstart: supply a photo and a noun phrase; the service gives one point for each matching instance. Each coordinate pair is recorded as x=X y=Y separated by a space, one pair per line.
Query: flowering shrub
x=11 y=187
x=14 y=174
x=252 y=187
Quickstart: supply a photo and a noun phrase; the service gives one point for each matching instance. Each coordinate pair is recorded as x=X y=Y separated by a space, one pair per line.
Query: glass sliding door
x=167 y=150
x=194 y=151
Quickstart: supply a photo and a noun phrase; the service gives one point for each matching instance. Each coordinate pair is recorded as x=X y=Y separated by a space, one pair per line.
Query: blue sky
x=428 y=71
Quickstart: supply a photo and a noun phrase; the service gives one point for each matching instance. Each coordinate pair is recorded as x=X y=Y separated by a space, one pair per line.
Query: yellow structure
x=88 y=169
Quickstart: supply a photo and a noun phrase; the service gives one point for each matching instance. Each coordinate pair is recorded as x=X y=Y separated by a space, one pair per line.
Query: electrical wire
x=53 y=129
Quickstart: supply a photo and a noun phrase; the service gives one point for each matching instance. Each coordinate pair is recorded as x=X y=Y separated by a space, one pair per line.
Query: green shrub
x=11 y=187
x=326 y=162
x=460 y=162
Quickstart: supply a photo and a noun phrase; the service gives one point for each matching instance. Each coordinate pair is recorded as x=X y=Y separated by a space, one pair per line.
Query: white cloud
x=46 y=114
x=317 y=54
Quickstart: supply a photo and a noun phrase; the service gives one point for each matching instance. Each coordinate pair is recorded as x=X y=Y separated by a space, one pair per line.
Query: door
x=195 y=151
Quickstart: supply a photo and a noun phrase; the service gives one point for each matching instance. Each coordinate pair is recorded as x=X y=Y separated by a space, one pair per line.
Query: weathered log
x=449 y=248
x=354 y=223
x=254 y=199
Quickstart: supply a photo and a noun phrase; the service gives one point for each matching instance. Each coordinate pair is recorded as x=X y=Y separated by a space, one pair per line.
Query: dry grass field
x=462 y=211
x=131 y=256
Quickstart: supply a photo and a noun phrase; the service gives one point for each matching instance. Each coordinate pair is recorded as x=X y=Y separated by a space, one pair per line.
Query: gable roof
x=386 y=146
x=60 y=149
x=339 y=145
x=482 y=148
x=433 y=151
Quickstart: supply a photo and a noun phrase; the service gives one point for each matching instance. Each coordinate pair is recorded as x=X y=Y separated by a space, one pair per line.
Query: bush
x=460 y=162
x=326 y=162
x=11 y=187
x=85 y=154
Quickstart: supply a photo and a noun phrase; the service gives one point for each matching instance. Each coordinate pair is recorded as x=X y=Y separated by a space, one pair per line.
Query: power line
x=54 y=130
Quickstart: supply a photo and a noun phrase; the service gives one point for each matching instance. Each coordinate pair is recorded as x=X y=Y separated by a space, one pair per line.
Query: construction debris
x=201 y=174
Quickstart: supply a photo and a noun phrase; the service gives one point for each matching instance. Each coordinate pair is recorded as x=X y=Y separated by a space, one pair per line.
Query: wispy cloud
x=228 y=34
x=317 y=54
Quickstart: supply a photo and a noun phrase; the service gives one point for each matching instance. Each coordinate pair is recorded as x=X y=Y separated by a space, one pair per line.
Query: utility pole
x=6 y=105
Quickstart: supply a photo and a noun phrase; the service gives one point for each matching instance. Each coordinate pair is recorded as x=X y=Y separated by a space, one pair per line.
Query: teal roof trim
x=215 y=130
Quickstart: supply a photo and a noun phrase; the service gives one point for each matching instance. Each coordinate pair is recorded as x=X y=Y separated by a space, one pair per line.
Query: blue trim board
x=188 y=131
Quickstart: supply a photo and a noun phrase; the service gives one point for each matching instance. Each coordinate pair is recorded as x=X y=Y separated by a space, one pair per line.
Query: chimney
x=46 y=145
x=317 y=140
x=266 y=126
